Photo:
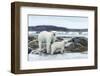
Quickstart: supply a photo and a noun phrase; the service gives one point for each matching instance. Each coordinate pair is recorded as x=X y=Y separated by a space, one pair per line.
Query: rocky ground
x=76 y=50
x=78 y=44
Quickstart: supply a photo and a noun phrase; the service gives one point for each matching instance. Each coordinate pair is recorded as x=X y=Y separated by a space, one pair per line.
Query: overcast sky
x=62 y=21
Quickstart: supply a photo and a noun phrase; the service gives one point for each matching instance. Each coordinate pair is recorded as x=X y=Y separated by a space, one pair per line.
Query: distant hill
x=51 y=28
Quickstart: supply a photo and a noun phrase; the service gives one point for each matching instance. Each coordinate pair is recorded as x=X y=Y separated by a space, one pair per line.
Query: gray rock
x=79 y=44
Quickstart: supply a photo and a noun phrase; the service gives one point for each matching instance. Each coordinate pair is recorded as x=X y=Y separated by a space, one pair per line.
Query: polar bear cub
x=59 y=46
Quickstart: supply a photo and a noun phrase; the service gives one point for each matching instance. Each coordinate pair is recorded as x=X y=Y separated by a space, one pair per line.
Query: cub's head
x=53 y=33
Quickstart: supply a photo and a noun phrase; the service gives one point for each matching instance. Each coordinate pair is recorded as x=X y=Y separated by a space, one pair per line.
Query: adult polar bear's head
x=48 y=38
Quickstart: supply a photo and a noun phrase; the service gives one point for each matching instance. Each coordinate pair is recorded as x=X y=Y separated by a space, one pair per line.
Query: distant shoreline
x=53 y=28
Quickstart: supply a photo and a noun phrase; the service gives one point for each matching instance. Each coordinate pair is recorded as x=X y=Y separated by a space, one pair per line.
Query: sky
x=61 y=21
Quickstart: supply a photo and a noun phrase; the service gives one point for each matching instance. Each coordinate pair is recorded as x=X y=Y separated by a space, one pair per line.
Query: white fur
x=48 y=38
x=59 y=45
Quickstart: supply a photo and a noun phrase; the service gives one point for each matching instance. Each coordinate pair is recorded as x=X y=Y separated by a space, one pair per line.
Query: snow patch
x=36 y=57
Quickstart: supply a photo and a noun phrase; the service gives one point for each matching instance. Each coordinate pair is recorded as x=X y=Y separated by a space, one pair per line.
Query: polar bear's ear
x=53 y=32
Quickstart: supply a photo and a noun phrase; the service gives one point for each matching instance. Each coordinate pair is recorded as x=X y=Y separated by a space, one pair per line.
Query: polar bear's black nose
x=54 y=34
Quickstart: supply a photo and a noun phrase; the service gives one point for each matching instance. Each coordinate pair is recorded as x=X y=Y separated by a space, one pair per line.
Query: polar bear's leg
x=62 y=50
x=52 y=53
x=40 y=46
x=52 y=50
x=48 y=47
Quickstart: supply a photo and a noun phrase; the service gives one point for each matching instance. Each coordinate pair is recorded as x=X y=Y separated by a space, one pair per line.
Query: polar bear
x=59 y=46
x=46 y=37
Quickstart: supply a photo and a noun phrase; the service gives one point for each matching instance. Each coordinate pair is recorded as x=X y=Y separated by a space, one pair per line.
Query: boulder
x=78 y=44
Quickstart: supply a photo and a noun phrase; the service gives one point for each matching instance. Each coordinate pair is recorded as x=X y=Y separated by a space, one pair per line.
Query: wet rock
x=78 y=44
x=82 y=40
x=33 y=44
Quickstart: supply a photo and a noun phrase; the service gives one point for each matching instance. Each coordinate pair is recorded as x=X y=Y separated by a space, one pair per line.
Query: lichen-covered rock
x=33 y=44
x=82 y=40
x=78 y=44
x=30 y=38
